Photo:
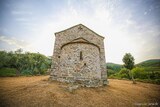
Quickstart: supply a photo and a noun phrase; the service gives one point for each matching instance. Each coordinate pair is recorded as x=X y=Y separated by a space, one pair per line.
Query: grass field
x=37 y=91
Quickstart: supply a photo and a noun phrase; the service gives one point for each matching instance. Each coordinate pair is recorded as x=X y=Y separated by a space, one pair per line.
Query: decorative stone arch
x=80 y=40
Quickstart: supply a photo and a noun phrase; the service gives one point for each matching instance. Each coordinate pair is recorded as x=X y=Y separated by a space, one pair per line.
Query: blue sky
x=127 y=25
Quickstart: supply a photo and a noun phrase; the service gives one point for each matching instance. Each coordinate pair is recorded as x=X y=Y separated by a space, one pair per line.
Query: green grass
x=7 y=72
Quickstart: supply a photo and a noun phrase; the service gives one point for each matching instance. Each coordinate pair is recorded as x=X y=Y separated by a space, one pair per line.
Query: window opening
x=81 y=56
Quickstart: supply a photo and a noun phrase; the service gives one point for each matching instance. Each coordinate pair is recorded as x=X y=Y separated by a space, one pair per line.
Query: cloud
x=22 y=19
x=15 y=43
x=124 y=31
x=122 y=35
x=15 y=12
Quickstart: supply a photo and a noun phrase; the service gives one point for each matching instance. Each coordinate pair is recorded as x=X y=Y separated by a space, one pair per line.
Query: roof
x=80 y=25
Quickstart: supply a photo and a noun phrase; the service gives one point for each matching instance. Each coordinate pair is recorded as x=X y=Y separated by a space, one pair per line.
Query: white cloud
x=15 y=12
x=16 y=43
x=22 y=19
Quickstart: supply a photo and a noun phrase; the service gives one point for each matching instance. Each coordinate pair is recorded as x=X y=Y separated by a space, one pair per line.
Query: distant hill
x=149 y=63
x=148 y=70
x=114 y=67
x=152 y=64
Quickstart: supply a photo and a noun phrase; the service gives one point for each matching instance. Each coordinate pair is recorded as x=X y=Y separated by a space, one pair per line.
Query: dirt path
x=37 y=91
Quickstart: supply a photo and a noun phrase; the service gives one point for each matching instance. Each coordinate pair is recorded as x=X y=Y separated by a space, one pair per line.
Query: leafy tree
x=17 y=61
x=128 y=60
x=3 y=60
x=25 y=63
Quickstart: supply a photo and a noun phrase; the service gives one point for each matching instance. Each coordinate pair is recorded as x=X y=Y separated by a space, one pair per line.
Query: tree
x=17 y=60
x=25 y=62
x=128 y=60
x=3 y=59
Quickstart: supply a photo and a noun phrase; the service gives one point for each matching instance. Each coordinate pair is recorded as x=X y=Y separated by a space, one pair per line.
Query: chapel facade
x=79 y=57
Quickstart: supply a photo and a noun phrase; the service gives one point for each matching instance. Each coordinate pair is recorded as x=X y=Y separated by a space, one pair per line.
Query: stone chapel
x=79 y=57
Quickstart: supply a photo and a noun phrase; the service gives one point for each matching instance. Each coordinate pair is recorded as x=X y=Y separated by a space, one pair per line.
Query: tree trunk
x=17 y=72
x=132 y=77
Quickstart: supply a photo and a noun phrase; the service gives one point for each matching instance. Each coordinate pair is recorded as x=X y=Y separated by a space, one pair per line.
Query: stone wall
x=85 y=66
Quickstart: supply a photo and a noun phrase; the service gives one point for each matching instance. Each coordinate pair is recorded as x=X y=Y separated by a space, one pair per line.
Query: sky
x=129 y=26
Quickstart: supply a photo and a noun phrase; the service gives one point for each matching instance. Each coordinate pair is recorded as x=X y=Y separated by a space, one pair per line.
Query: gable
x=80 y=27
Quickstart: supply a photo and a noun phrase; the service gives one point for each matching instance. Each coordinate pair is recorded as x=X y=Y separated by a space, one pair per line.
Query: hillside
x=152 y=65
x=37 y=91
x=113 y=66
x=150 y=68
x=149 y=63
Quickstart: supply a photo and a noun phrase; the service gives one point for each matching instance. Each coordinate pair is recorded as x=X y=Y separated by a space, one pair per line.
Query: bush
x=110 y=72
x=140 y=73
x=157 y=81
x=26 y=72
x=124 y=73
x=4 y=72
x=123 y=76
x=114 y=76
x=154 y=75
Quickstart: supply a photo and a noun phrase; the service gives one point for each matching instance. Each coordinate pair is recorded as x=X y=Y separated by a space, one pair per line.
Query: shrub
x=7 y=72
x=115 y=76
x=26 y=72
x=124 y=73
x=110 y=72
x=140 y=73
x=154 y=75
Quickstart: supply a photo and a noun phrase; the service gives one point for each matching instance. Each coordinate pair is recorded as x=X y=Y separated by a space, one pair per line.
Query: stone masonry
x=79 y=57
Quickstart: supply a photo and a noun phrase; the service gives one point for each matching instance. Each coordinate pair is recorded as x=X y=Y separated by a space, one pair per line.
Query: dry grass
x=38 y=91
